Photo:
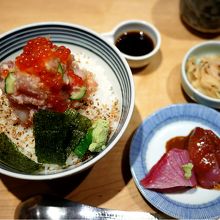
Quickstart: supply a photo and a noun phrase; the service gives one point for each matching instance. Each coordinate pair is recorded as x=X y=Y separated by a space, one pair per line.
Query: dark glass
x=201 y=15
x=134 y=43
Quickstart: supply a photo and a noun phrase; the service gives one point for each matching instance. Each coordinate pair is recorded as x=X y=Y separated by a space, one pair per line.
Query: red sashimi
x=204 y=150
x=168 y=172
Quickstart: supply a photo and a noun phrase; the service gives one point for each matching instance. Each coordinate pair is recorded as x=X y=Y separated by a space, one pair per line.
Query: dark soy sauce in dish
x=134 y=43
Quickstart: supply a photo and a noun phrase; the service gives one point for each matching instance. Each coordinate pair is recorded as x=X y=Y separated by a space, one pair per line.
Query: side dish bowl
x=105 y=59
x=199 y=51
x=149 y=34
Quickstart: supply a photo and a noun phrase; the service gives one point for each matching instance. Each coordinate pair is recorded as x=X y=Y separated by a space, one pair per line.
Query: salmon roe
x=42 y=58
x=37 y=52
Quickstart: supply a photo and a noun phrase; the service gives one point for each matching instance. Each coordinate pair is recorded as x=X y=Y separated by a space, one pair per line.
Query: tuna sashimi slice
x=168 y=171
x=204 y=150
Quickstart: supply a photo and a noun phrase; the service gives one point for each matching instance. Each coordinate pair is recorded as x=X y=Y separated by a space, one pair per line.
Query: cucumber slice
x=10 y=83
x=84 y=143
x=78 y=93
x=60 y=69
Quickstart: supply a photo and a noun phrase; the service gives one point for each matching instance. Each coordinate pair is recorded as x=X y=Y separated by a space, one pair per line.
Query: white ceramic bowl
x=206 y=48
x=107 y=60
x=136 y=25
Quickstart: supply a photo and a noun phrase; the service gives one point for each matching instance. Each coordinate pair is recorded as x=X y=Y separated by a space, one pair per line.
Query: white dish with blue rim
x=148 y=145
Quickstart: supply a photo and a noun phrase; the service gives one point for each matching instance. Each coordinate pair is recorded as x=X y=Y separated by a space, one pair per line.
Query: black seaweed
x=77 y=121
x=57 y=134
x=12 y=157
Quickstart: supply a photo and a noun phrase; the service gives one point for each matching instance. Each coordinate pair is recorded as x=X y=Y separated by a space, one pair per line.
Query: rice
x=103 y=104
x=21 y=136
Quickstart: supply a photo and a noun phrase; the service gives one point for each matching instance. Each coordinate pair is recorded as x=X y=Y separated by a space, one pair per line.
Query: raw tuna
x=204 y=150
x=168 y=172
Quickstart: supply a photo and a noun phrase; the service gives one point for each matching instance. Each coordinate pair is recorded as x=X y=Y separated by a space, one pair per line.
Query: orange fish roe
x=37 y=52
x=40 y=57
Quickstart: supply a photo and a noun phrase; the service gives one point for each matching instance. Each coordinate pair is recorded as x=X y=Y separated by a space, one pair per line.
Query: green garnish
x=84 y=143
x=78 y=93
x=95 y=138
x=99 y=135
x=60 y=69
x=187 y=169
x=10 y=83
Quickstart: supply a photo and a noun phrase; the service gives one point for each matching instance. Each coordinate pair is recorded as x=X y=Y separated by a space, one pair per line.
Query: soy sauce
x=134 y=43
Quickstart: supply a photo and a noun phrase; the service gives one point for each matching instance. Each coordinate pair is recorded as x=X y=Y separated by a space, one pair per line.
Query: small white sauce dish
x=136 y=61
x=204 y=49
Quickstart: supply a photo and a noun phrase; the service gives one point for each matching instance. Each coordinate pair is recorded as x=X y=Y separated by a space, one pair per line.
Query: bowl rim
x=154 y=30
x=183 y=69
x=89 y=163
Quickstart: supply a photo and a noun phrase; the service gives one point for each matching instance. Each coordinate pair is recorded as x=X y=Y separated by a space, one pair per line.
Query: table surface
x=108 y=183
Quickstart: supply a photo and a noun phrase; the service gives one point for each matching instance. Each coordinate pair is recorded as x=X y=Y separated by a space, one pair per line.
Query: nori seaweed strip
x=51 y=146
x=76 y=136
x=12 y=157
x=47 y=120
x=77 y=121
x=57 y=134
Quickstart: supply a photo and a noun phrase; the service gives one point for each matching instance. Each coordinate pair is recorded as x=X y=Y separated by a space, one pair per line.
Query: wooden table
x=109 y=183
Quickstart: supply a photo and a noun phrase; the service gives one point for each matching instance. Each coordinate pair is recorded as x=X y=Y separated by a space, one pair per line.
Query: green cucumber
x=60 y=69
x=83 y=145
x=10 y=83
x=78 y=93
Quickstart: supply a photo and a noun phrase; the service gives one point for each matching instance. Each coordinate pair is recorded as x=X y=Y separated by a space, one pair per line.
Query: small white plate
x=148 y=145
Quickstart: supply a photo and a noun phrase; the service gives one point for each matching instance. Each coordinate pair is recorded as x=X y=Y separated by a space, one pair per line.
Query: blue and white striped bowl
x=84 y=40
